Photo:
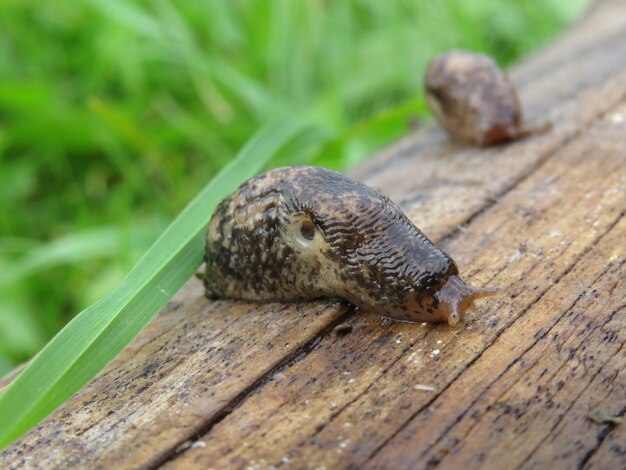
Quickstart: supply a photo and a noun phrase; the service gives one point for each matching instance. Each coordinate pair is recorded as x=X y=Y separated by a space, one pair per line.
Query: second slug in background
x=473 y=99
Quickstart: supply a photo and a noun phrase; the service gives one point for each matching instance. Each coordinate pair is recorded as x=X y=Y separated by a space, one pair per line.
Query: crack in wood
x=599 y=441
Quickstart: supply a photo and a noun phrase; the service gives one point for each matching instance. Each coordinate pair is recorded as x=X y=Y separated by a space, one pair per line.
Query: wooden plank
x=239 y=384
x=350 y=402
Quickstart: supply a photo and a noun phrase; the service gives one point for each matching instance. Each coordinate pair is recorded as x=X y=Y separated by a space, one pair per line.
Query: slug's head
x=455 y=297
x=300 y=233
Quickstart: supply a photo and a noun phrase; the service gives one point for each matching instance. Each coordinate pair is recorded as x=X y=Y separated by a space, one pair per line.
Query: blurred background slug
x=473 y=99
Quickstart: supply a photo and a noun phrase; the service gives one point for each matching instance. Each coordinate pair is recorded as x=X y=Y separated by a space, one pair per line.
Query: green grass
x=114 y=114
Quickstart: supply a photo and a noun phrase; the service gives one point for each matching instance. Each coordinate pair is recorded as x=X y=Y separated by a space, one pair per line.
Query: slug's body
x=300 y=233
x=473 y=99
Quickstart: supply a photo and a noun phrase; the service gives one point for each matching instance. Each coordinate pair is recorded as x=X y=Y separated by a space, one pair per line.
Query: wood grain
x=238 y=385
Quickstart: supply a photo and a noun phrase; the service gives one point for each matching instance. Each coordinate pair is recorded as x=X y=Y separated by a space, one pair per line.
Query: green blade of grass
x=95 y=336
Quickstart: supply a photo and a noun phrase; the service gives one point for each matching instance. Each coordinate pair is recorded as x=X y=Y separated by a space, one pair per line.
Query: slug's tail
x=458 y=297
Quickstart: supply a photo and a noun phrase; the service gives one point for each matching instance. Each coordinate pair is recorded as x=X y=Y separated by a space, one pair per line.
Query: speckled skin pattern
x=298 y=233
x=473 y=99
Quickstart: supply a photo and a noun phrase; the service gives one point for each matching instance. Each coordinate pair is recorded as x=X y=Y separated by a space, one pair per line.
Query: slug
x=302 y=233
x=473 y=100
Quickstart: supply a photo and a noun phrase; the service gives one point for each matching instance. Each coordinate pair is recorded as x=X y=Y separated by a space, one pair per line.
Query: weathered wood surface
x=232 y=384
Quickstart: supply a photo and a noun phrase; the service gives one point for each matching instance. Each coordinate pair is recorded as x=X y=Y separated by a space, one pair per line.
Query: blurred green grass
x=113 y=114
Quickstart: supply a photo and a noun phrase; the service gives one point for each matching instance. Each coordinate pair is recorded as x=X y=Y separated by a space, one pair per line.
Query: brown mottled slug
x=300 y=233
x=473 y=99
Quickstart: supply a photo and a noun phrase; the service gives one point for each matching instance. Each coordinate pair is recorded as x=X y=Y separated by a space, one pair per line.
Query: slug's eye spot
x=307 y=230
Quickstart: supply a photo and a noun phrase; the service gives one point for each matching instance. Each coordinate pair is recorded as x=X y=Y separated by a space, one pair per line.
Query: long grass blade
x=95 y=336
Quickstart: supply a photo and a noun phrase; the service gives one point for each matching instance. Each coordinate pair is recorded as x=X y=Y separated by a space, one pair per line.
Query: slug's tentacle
x=299 y=233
